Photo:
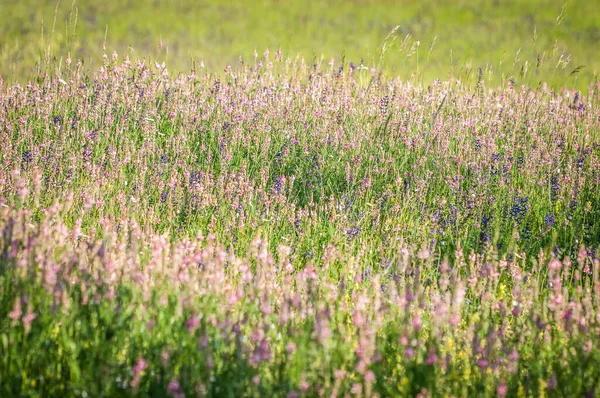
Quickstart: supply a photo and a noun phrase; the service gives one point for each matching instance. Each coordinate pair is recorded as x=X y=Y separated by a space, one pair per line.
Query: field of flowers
x=295 y=229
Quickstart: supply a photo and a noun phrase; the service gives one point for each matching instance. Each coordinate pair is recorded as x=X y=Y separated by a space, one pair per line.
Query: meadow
x=296 y=227
x=532 y=41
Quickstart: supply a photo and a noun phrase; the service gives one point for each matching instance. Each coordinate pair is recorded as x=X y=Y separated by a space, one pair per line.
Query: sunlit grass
x=532 y=41
x=290 y=229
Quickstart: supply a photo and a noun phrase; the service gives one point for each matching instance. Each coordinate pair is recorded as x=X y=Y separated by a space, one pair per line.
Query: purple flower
x=552 y=383
x=353 y=232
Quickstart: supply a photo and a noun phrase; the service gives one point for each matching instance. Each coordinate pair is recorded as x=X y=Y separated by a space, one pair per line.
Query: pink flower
x=432 y=358
x=369 y=376
x=555 y=264
x=304 y=386
x=137 y=373
x=361 y=367
x=291 y=347
x=482 y=363
x=165 y=357
x=502 y=389
x=16 y=312
x=356 y=389
x=204 y=341
x=417 y=322
x=150 y=324
x=173 y=386
x=192 y=323
x=358 y=319
x=28 y=319
x=339 y=373
x=140 y=366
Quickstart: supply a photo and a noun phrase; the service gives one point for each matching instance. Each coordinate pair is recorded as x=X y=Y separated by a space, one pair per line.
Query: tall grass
x=296 y=229
x=533 y=41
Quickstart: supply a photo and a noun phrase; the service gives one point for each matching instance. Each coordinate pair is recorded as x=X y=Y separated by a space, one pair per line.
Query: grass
x=534 y=41
x=296 y=227
x=286 y=230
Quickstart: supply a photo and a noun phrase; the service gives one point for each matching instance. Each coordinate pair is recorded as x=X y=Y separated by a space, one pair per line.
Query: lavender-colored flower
x=26 y=158
x=554 y=188
x=87 y=154
x=552 y=384
x=194 y=178
x=278 y=184
x=383 y=105
x=519 y=208
x=353 y=232
x=164 y=195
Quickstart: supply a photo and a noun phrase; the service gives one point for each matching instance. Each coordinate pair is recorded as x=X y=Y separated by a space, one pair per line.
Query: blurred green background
x=529 y=40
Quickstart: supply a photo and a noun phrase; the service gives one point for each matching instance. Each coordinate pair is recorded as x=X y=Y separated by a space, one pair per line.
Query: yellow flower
x=121 y=355
x=542 y=389
x=451 y=343
x=557 y=206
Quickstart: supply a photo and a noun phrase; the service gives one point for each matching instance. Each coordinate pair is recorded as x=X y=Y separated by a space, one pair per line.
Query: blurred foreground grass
x=532 y=41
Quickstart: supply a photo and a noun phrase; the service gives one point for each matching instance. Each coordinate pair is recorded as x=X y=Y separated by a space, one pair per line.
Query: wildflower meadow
x=292 y=228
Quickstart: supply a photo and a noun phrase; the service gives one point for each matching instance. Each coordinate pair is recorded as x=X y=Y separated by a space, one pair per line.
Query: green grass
x=288 y=228
x=524 y=39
